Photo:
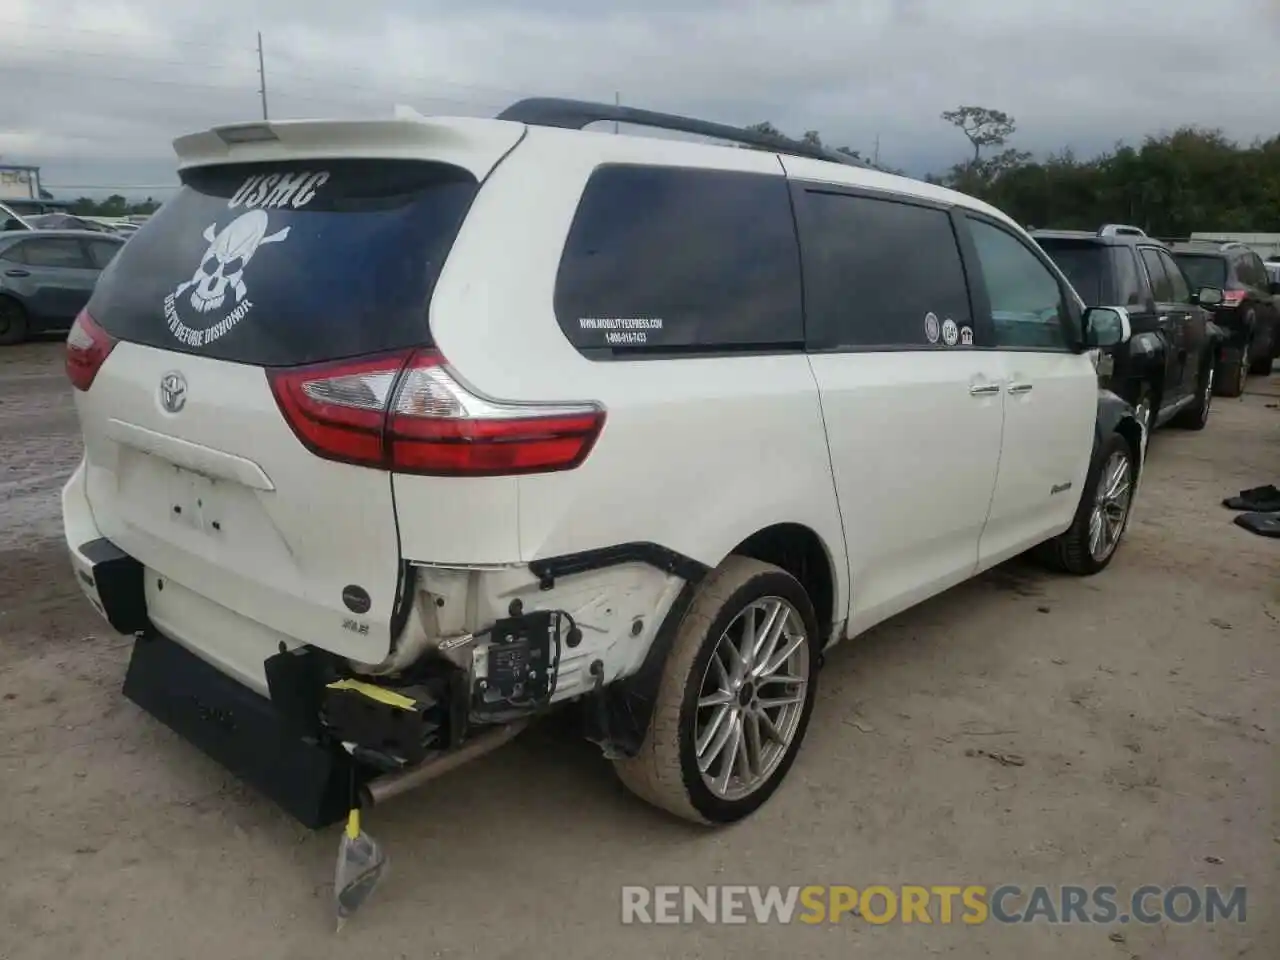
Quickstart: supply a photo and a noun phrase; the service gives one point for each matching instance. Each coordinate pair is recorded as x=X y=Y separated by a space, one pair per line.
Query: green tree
x=1190 y=180
x=114 y=206
x=983 y=126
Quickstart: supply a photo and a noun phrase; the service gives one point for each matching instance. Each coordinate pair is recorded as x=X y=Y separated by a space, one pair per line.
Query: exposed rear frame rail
x=577 y=114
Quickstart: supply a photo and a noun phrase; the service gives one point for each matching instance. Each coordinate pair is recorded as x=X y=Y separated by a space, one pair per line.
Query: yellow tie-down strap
x=389 y=697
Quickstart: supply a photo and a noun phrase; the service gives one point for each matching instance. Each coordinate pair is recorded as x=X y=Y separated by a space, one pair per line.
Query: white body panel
x=1042 y=471
x=737 y=442
x=224 y=501
x=915 y=457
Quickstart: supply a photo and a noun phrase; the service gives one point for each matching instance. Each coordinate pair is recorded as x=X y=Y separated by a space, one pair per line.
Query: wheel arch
x=24 y=316
x=17 y=299
x=618 y=715
x=1116 y=416
x=798 y=549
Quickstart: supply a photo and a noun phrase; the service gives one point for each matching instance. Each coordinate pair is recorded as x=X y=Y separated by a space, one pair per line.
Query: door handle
x=983 y=389
x=1019 y=388
x=17 y=273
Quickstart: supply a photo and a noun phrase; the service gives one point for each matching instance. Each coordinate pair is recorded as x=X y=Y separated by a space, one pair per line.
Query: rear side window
x=1129 y=290
x=1085 y=265
x=55 y=252
x=1177 y=282
x=1240 y=268
x=881 y=274
x=289 y=263
x=102 y=252
x=1203 y=271
x=1251 y=270
x=666 y=258
x=1161 y=288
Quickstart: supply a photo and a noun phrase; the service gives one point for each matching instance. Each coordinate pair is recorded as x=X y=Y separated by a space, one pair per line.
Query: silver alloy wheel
x=1110 y=505
x=751 y=698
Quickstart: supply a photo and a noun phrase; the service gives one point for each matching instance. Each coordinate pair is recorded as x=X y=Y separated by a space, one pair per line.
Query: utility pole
x=875 y=159
x=262 y=77
x=617 y=102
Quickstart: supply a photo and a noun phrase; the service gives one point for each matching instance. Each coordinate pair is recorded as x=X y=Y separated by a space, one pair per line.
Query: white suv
x=399 y=432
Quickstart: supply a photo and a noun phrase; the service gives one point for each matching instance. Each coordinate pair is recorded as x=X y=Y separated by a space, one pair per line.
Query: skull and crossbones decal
x=223 y=264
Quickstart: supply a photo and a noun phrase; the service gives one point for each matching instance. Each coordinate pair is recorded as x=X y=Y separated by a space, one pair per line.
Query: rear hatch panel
x=222 y=499
x=250 y=540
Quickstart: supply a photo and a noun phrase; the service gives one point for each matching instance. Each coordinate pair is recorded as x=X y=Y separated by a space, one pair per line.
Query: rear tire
x=1264 y=364
x=13 y=322
x=1108 y=488
x=1196 y=416
x=1234 y=379
x=667 y=771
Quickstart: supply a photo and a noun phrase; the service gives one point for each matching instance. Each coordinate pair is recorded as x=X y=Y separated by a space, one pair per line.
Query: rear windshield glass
x=288 y=263
x=1202 y=271
x=1084 y=263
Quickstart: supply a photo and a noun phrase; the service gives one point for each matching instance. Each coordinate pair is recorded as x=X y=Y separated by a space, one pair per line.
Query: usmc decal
x=218 y=289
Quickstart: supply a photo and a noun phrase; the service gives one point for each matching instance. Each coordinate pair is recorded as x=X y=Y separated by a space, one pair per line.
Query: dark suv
x=1166 y=370
x=1248 y=310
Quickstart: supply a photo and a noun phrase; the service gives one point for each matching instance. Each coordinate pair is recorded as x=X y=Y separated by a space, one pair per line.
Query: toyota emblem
x=173 y=392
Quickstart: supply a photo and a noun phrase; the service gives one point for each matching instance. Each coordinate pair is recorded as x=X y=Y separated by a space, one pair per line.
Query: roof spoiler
x=472 y=143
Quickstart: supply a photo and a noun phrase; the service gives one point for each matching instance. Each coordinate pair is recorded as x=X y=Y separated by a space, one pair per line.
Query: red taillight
x=407 y=412
x=1233 y=298
x=88 y=347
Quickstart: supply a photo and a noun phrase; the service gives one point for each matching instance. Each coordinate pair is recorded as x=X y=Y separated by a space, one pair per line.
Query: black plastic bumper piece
x=118 y=579
x=655 y=555
x=240 y=729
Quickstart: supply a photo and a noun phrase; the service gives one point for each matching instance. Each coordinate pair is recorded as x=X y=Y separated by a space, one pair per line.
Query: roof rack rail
x=1220 y=242
x=577 y=114
x=1120 y=230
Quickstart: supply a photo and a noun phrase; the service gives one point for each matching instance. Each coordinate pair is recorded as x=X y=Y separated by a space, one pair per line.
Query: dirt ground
x=1143 y=702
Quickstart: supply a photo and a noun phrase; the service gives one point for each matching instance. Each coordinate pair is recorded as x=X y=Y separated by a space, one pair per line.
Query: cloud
x=103 y=87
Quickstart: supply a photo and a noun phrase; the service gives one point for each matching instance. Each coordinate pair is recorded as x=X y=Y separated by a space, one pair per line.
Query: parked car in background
x=1249 y=311
x=46 y=278
x=67 y=221
x=1166 y=370
x=10 y=220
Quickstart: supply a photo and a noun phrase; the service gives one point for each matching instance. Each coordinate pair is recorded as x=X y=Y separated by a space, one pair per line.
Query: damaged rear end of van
x=302 y=512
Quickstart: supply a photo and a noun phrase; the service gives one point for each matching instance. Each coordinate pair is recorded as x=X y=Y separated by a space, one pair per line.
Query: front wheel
x=735 y=697
x=1103 y=515
x=13 y=322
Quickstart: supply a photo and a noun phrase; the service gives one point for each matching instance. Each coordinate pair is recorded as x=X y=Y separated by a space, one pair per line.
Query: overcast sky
x=95 y=90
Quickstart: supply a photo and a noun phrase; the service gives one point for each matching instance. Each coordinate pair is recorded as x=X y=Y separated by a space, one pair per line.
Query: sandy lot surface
x=1143 y=702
